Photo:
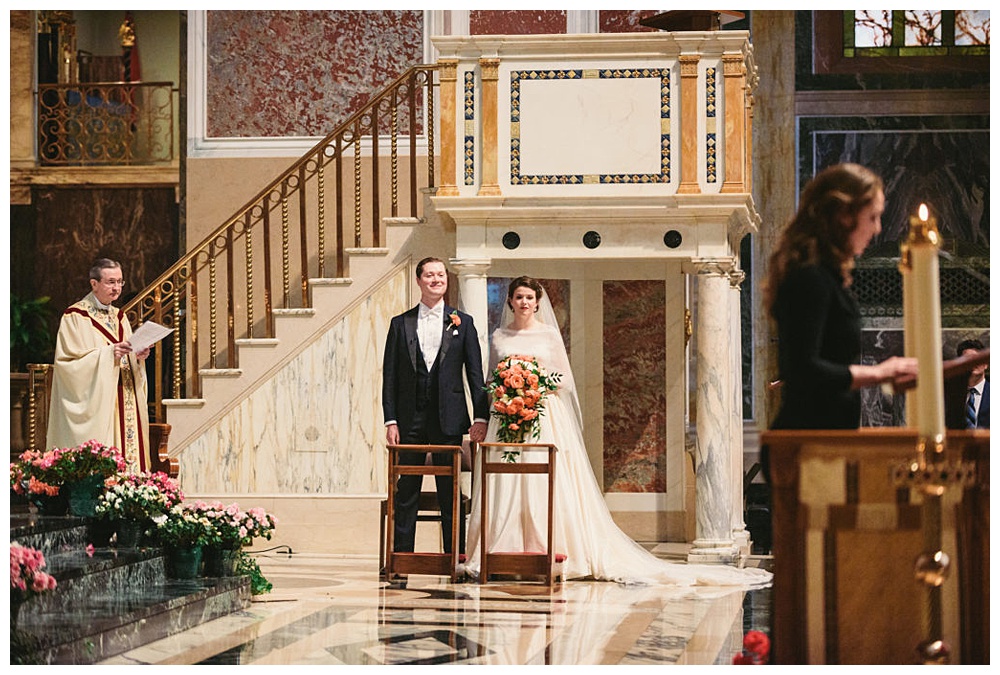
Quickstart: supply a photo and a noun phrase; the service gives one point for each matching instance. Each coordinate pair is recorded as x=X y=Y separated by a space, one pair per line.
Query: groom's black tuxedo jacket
x=459 y=350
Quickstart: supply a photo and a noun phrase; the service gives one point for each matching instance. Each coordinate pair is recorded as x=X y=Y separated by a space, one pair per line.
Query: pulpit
x=864 y=570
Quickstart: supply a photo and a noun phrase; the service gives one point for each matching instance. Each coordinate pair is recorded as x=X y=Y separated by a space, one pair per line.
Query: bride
x=583 y=528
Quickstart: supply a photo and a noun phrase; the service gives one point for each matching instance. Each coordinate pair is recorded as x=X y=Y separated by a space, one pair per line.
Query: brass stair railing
x=282 y=233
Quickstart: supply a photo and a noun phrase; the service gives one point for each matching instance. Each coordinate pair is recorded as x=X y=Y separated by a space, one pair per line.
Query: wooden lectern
x=849 y=533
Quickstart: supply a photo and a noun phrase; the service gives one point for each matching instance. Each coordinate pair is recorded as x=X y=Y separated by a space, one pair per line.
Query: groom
x=423 y=399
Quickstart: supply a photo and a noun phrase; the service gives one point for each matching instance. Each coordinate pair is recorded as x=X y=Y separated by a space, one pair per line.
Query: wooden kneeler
x=443 y=564
x=517 y=562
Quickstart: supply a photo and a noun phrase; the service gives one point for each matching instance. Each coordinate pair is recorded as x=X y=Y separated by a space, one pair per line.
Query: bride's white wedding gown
x=583 y=528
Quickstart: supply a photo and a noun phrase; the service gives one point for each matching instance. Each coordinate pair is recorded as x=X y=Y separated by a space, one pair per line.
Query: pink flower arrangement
x=235 y=527
x=43 y=473
x=139 y=496
x=26 y=575
x=756 y=649
x=170 y=488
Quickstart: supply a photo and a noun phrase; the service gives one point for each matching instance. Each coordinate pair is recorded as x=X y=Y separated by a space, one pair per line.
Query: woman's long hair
x=820 y=231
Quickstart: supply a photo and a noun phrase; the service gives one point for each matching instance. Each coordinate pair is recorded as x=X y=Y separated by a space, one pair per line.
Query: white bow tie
x=437 y=312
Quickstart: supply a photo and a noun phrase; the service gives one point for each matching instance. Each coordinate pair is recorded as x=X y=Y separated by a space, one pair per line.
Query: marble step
x=110 y=601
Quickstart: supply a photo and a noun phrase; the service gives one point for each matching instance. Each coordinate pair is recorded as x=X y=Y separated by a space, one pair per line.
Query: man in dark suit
x=977 y=402
x=423 y=397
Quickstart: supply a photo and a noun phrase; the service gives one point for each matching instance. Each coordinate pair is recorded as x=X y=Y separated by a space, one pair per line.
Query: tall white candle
x=925 y=323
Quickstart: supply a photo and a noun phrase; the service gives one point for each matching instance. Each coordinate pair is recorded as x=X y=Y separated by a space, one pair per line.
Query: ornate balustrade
x=110 y=123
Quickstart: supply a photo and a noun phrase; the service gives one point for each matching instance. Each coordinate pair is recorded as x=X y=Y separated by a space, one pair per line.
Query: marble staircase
x=110 y=601
x=294 y=330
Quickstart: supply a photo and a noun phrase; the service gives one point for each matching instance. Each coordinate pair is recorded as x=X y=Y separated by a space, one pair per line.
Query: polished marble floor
x=332 y=610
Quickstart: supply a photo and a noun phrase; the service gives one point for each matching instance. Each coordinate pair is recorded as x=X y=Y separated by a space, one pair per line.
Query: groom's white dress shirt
x=430 y=325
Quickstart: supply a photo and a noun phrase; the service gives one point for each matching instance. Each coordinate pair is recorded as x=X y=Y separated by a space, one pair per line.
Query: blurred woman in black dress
x=808 y=293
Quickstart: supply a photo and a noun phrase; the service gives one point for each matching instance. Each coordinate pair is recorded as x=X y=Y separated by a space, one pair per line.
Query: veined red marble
x=624 y=20
x=513 y=22
x=634 y=386
x=299 y=73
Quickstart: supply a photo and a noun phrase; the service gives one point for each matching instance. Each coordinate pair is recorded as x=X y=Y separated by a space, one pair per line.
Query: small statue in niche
x=126 y=32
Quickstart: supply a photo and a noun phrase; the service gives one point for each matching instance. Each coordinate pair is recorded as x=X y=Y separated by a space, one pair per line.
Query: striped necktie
x=970 y=410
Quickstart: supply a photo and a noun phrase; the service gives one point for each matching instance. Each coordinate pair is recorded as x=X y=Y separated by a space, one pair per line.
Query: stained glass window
x=972 y=27
x=916 y=32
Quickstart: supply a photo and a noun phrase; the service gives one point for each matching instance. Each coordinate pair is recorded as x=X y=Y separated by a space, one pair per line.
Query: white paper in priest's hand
x=147 y=335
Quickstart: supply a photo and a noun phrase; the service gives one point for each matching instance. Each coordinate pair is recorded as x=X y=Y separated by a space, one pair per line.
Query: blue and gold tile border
x=711 y=175
x=470 y=127
x=516 y=76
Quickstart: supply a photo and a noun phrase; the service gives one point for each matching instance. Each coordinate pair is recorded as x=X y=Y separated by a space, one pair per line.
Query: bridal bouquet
x=518 y=387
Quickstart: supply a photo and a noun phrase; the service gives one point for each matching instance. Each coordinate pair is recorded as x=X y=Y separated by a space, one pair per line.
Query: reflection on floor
x=334 y=610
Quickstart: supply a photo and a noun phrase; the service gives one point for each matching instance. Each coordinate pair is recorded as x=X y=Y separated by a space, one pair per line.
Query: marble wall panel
x=634 y=386
x=135 y=226
x=316 y=426
x=948 y=169
x=298 y=73
x=624 y=20
x=516 y=22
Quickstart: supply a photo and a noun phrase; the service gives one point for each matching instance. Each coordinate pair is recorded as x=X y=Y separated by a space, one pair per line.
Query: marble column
x=741 y=537
x=774 y=183
x=473 y=296
x=490 y=73
x=735 y=112
x=450 y=145
x=713 y=399
x=689 y=125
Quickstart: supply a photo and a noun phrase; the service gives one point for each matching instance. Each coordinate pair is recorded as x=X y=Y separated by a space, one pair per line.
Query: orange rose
x=515 y=381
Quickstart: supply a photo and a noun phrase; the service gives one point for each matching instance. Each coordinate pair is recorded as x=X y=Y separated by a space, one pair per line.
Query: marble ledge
x=184 y=402
x=257 y=342
x=331 y=281
x=367 y=250
x=220 y=372
x=152 y=176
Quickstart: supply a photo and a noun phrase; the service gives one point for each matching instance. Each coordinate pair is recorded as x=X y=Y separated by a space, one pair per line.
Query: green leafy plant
x=246 y=565
x=31 y=338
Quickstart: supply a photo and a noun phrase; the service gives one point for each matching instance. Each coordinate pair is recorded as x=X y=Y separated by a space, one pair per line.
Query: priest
x=99 y=384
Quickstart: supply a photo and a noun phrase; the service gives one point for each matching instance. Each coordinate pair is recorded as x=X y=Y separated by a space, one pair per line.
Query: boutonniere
x=456 y=321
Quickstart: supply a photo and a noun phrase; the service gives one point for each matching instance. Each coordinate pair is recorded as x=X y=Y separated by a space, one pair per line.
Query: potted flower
x=26 y=577
x=234 y=528
x=184 y=532
x=76 y=473
x=132 y=501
